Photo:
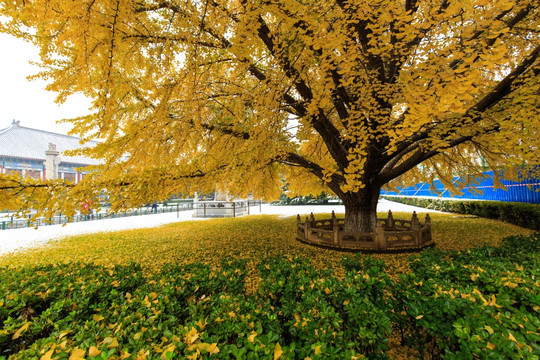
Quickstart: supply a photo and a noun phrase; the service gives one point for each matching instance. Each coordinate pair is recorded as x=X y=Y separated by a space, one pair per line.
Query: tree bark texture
x=361 y=210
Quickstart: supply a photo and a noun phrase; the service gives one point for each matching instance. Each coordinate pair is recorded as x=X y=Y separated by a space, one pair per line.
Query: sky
x=28 y=101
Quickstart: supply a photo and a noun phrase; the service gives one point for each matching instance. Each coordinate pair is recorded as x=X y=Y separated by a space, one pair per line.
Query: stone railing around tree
x=391 y=234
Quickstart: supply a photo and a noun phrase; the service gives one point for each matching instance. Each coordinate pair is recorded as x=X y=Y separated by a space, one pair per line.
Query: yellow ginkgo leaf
x=77 y=354
x=48 y=354
x=97 y=318
x=113 y=344
x=191 y=336
x=213 y=348
x=251 y=338
x=110 y=342
x=141 y=355
x=19 y=332
x=64 y=334
x=93 y=351
x=169 y=350
x=277 y=351
x=201 y=324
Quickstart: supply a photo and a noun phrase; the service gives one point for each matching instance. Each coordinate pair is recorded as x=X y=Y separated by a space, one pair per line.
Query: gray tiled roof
x=24 y=143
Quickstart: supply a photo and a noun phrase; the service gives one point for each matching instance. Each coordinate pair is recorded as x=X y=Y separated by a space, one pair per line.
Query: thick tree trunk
x=361 y=210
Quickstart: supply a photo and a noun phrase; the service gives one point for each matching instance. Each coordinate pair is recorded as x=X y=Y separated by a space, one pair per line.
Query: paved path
x=16 y=239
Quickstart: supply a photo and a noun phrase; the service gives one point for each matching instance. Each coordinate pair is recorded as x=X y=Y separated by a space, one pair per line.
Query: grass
x=249 y=238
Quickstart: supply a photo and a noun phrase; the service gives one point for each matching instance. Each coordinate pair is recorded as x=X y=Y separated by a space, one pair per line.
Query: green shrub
x=521 y=214
x=479 y=303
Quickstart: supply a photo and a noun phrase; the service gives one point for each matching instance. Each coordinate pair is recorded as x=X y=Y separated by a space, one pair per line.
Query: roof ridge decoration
x=16 y=124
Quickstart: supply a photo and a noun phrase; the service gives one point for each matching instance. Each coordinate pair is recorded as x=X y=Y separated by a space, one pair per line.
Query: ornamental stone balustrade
x=391 y=235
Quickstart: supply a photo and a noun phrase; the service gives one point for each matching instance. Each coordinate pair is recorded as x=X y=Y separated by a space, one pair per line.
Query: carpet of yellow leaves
x=249 y=238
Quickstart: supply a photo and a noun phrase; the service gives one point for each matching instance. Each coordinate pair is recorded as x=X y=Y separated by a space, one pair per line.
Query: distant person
x=87 y=210
x=154 y=207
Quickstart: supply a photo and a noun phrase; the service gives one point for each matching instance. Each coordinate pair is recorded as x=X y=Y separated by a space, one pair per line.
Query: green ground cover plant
x=266 y=296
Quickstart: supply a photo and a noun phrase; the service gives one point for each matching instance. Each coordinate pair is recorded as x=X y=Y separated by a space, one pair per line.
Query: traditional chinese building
x=39 y=154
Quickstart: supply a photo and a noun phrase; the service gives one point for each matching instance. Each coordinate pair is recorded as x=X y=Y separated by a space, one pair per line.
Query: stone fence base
x=392 y=235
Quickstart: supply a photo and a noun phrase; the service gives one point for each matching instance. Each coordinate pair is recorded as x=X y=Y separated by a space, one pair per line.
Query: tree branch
x=420 y=156
x=293 y=159
x=320 y=122
x=497 y=94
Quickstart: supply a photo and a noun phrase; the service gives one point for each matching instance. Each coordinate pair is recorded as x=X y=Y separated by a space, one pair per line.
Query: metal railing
x=206 y=209
x=527 y=190
x=13 y=222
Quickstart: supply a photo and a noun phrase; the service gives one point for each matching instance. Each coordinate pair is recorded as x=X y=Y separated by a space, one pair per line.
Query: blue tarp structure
x=526 y=191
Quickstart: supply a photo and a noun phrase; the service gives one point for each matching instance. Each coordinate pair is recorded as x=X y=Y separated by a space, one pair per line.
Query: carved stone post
x=414 y=220
x=380 y=239
x=312 y=219
x=335 y=230
x=415 y=228
x=221 y=195
x=307 y=225
x=427 y=224
x=51 y=163
x=390 y=223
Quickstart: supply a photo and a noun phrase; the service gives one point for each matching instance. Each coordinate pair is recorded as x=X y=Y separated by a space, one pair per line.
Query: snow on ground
x=17 y=239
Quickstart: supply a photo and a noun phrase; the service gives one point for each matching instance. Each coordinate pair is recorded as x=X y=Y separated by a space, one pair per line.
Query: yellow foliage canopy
x=348 y=95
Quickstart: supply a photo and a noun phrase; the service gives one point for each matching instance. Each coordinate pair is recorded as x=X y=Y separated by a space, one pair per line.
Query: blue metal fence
x=526 y=191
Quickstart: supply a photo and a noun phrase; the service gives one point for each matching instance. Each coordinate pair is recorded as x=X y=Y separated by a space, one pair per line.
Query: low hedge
x=481 y=303
x=521 y=214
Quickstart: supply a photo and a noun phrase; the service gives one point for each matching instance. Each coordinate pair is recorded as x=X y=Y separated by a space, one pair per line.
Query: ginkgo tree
x=350 y=96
